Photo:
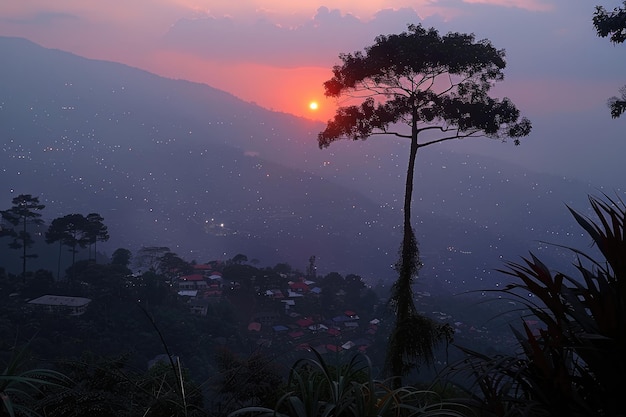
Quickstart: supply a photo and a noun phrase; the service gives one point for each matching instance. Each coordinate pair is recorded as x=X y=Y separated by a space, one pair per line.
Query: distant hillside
x=179 y=164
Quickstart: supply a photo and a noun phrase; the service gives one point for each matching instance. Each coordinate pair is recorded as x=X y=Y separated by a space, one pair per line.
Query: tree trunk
x=409 y=257
x=408 y=266
x=59 y=261
x=24 y=253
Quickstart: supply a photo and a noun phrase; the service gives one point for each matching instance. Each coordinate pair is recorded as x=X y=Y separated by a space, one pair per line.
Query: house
x=188 y=293
x=199 y=307
x=348 y=345
x=297 y=334
x=192 y=282
x=351 y=314
x=317 y=327
x=316 y=291
x=254 y=327
x=276 y=294
x=72 y=306
x=288 y=304
x=202 y=268
x=298 y=287
x=305 y=322
x=216 y=278
x=334 y=331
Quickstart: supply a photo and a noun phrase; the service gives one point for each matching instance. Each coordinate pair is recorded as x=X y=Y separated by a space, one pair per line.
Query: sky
x=278 y=53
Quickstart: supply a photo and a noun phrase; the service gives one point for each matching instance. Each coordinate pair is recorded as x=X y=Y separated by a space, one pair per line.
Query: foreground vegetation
x=570 y=362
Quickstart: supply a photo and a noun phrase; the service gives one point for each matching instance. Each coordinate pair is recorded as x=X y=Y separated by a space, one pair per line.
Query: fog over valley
x=184 y=165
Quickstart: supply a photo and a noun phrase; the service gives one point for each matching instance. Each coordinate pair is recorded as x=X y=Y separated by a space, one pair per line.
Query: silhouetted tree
x=283 y=268
x=613 y=25
x=149 y=257
x=73 y=231
x=311 y=270
x=419 y=85
x=121 y=256
x=239 y=259
x=353 y=286
x=56 y=233
x=96 y=232
x=24 y=212
x=172 y=265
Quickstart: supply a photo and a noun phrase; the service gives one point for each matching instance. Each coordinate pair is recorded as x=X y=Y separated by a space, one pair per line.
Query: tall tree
x=428 y=89
x=56 y=233
x=96 y=231
x=71 y=231
x=24 y=212
x=613 y=25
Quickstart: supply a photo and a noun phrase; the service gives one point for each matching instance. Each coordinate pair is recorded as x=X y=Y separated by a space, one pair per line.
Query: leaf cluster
x=427 y=81
x=318 y=389
x=22 y=386
x=573 y=363
x=611 y=24
x=77 y=230
x=23 y=212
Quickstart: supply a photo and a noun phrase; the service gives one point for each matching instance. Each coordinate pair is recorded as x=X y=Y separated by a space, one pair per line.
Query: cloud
x=314 y=42
x=554 y=39
x=41 y=19
x=533 y=5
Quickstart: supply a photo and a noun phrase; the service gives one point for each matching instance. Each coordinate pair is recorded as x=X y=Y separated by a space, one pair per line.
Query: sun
x=313 y=105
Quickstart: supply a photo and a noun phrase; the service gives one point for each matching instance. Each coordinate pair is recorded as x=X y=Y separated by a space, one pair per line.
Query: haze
x=277 y=54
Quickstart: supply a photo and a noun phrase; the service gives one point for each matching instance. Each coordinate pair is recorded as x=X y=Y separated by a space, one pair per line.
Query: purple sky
x=277 y=54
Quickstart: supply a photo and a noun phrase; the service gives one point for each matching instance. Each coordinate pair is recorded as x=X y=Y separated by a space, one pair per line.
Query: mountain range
x=174 y=163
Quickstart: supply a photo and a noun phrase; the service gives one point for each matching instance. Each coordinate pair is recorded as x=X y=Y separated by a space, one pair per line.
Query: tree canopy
x=24 y=212
x=96 y=231
x=613 y=25
x=425 y=80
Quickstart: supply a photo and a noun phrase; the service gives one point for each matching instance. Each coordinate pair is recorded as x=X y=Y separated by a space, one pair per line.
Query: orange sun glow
x=313 y=105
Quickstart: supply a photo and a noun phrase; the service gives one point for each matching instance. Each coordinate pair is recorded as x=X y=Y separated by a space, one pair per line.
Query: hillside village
x=329 y=314
x=285 y=315
x=287 y=310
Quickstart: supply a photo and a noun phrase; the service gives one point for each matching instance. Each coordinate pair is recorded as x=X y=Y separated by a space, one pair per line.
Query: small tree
x=150 y=257
x=24 y=212
x=239 y=259
x=121 y=256
x=428 y=89
x=171 y=265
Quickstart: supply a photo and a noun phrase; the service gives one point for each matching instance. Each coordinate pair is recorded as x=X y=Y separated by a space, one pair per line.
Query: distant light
x=313 y=105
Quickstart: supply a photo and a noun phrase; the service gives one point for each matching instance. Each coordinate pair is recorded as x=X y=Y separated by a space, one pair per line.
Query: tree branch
x=456 y=136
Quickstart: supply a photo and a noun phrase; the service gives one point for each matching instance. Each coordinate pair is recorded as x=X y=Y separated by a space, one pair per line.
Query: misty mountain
x=184 y=165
